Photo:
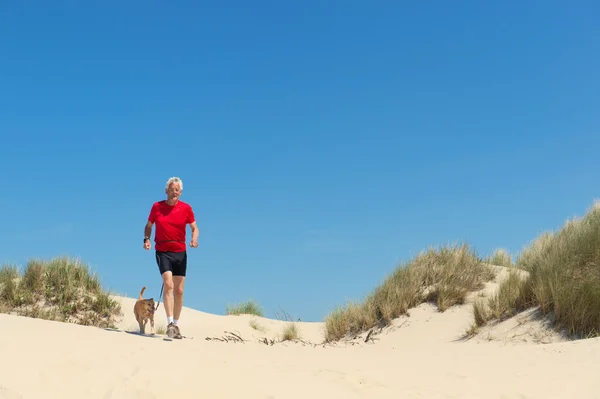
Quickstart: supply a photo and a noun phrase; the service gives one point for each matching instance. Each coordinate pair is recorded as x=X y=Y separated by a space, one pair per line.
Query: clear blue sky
x=320 y=143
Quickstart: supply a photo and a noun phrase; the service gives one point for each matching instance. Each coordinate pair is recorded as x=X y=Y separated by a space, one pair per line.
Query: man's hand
x=147 y=234
x=195 y=234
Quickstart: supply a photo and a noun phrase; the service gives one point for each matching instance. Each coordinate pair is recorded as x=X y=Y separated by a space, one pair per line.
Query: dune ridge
x=449 y=324
x=424 y=354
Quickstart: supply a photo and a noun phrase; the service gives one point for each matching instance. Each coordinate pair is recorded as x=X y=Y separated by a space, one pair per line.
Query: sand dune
x=420 y=356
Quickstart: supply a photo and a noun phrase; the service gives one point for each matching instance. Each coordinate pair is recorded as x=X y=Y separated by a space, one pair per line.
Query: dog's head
x=149 y=305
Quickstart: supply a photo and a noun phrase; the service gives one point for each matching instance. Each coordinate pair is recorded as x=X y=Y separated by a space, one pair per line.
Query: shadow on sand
x=137 y=333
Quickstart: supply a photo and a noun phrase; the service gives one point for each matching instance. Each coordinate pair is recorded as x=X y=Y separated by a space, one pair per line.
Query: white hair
x=175 y=180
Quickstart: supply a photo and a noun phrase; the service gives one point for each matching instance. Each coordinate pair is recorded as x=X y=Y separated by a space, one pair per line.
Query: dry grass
x=481 y=312
x=513 y=296
x=563 y=278
x=254 y=324
x=248 y=307
x=443 y=276
x=161 y=329
x=500 y=257
x=290 y=332
x=61 y=289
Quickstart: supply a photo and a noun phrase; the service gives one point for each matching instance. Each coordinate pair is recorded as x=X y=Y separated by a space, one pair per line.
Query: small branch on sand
x=227 y=338
x=235 y=335
x=369 y=335
x=305 y=343
x=267 y=341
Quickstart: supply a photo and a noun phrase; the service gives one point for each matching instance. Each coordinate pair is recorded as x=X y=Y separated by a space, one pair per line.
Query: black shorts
x=174 y=262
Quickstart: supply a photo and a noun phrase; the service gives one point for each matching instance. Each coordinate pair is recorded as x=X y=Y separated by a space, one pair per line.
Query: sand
x=423 y=355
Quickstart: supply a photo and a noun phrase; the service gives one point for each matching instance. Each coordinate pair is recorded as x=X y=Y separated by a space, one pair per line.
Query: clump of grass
x=61 y=289
x=248 y=307
x=513 y=296
x=443 y=276
x=451 y=273
x=9 y=281
x=161 y=329
x=355 y=317
x=254 y=324
x=531 y=256
x=563 y=278
x=481 y=312
x=471 y=331
x=290 y=332
x=500 y=257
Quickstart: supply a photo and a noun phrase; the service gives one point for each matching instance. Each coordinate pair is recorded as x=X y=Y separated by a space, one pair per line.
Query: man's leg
x=179 y=270
x=165 y=266
x=167 y=278
x=178 y=282
x=172 y=331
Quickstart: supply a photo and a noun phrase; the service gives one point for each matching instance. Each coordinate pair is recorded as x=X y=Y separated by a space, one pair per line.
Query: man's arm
x=195 y=234
x=148 y=229
x=147 y=233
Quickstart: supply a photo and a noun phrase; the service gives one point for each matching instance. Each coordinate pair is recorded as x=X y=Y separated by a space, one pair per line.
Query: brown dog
x=144 y=311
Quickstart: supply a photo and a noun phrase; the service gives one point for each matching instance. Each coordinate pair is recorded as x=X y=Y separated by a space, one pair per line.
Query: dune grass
x=290 y=332
x=254 y=324
x=513 y=296
x=61 y=289
x=443 y=276
x=249 y=307
x=500 y=257
x=562 y=278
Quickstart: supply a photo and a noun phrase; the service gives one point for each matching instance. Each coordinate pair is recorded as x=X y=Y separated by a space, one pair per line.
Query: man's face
x=174 y=191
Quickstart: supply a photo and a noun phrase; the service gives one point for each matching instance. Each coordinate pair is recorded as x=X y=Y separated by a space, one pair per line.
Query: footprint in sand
x=7 y=393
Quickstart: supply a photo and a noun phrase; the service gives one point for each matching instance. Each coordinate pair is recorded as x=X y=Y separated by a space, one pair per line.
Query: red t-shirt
x=171 y=223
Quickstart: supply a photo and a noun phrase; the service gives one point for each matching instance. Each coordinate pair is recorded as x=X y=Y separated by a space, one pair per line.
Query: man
x=171 y=217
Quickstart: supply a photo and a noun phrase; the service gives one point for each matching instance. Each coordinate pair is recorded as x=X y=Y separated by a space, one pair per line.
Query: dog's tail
x=142 y=293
